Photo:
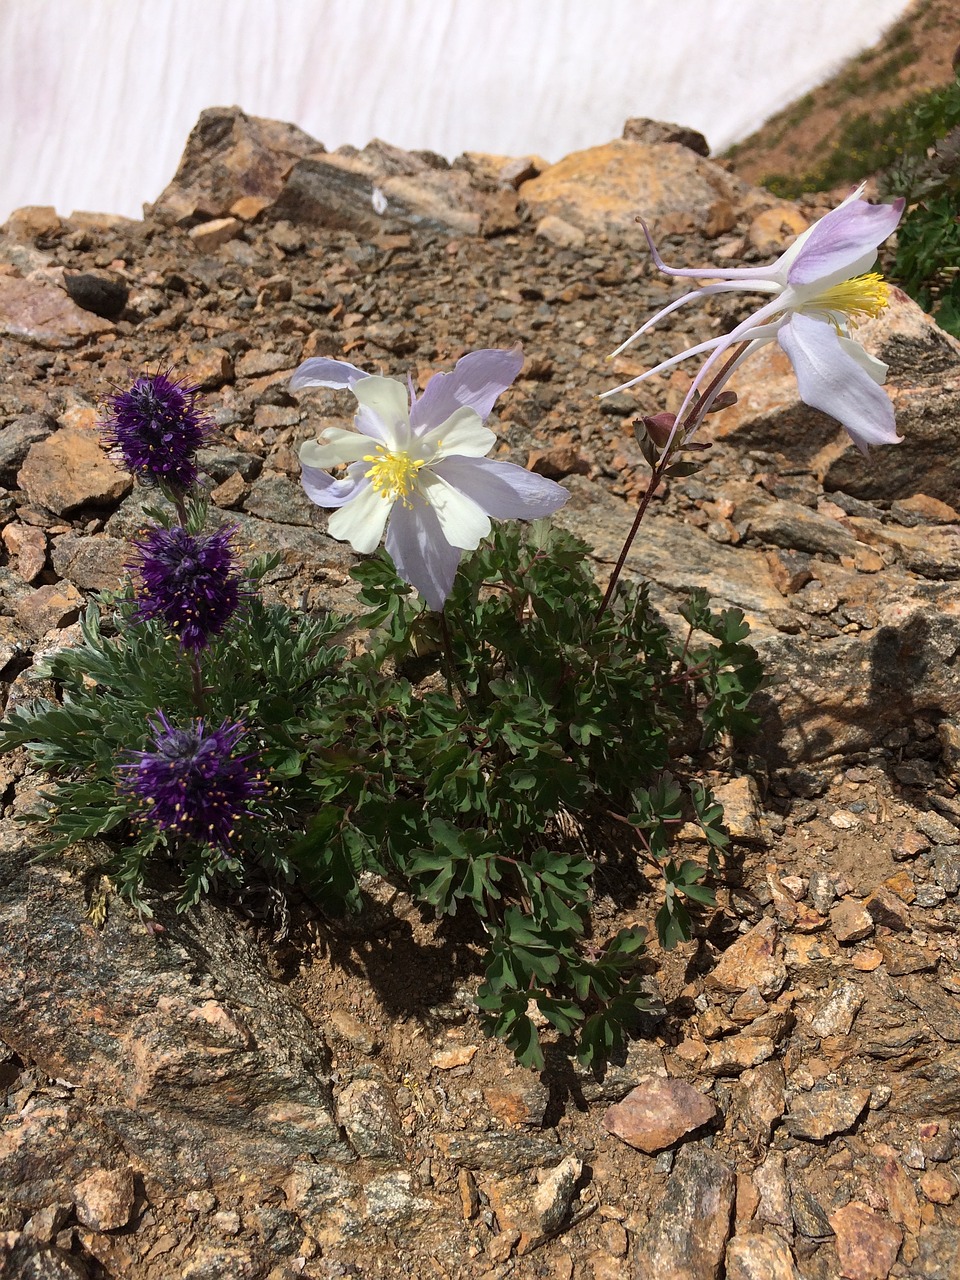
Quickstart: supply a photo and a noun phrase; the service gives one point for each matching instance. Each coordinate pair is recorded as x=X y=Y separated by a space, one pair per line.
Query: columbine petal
x=323 y=372
x=422 y=555
x=503 y=490
x=361 y=521
x=829 y=379
x=874 y=367
x=321 y=488
x=335 y=448
x=844 y=242
x=475 y=382
x=383 y=405
x=463 y=522
x=463 y=434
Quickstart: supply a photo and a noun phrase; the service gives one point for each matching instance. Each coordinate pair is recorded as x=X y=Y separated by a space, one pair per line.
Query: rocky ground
x=261 y=1094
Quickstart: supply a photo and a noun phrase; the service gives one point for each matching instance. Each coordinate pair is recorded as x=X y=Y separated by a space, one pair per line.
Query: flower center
x=393 y=475
x=865 y=295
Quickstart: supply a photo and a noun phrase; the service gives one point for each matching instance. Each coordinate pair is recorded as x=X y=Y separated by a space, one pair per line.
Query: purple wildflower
x=191 y=782
x=188 y=581
x=157 y=428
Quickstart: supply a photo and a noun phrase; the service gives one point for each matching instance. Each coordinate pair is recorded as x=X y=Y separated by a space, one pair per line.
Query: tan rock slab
x=69 y=470
x=208 y=236
x=755 y=960
x=741 y=808
x=824 y=1112
x=606 y=187
x=760 y=1257
x=658 y=1113
x=44 y=315
x=49 y=608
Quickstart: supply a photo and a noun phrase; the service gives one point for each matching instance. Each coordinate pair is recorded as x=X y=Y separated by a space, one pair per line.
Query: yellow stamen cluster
x=865 y=295
x=393 y=475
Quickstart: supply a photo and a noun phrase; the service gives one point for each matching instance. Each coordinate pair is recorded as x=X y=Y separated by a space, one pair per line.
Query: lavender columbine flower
x=157 y=428
x=191 y=783
x=820 y=286
x=188 y=581
x=417 y=467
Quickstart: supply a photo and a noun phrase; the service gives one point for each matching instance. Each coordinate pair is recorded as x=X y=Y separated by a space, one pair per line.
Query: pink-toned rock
x=939 y=1186
x=43 y=315
x=104 y=1199
x=231 y=156
x=29 y=545
x=755 y=960
x=658 y=1113
x=69 y=470
x=851 y=921
x=867 y=1243
x=606 y=187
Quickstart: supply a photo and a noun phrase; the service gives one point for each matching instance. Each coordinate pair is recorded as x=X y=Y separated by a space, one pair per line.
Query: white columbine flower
x=820 y=287
x=417 y=467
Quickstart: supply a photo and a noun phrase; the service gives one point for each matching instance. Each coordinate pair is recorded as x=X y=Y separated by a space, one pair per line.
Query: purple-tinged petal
x=503 y=490
x=475 y=382
x=422 y=555
x=323 y=372
x=830 y=380
x=321 y=488
x=844 y=242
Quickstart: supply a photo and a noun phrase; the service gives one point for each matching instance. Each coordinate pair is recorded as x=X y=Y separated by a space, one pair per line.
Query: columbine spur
x=417 y=467
x=821 y=285
x=191 y=782
x=156 y=428
x=189 y=581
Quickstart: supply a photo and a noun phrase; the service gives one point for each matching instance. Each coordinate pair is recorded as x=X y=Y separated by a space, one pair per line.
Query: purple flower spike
x=191 y=782
x=188 y=581
x=157 y=428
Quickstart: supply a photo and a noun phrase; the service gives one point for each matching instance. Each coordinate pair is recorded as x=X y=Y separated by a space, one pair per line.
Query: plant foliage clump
x=487 y=759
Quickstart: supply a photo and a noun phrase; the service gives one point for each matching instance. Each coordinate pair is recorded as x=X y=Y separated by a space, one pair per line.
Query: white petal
x=384 y=400
x=830 y=380
x=874 y=367
x=361 y=521
x=462 y=434
x=335 y=448
x=462 y=521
